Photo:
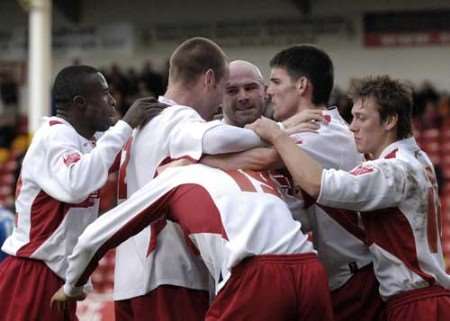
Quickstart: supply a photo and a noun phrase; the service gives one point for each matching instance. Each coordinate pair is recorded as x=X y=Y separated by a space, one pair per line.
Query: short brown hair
x=194 y=57
x=393 y=98
x=312 y=63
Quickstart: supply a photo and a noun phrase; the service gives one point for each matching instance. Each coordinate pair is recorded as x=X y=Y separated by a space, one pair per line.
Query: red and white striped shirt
x=397 y=198
x=225 y=217
x=57 y=192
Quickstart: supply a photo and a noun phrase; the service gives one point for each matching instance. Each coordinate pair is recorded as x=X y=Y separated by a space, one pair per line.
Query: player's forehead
x=102 y=80
x=279 y=73
x=243 y=82
x=242 y=74
x=364 y=106
x=98 y=81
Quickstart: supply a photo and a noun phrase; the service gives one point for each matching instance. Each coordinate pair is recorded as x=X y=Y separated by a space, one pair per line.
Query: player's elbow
x=310 y=184
x=313 y=189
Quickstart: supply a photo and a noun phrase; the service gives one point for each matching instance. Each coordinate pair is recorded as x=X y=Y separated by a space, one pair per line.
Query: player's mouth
x=247 y=110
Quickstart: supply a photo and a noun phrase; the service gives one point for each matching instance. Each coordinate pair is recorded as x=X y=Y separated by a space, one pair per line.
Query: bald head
x=244 y=69
x=244 y=101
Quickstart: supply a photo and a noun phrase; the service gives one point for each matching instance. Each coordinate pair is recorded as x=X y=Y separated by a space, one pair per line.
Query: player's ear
x=391 y=122
x=79 y=101
x=209 y=78
x=301 y=84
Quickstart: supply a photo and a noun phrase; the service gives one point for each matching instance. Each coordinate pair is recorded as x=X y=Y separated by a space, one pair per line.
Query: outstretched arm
x=114 y=227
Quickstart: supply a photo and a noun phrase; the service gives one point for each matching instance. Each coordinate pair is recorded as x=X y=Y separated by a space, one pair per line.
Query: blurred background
x=130 y=41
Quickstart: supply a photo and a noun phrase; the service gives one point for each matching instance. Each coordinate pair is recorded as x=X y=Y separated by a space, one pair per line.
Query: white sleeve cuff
x=322 y=197
x=122 y=127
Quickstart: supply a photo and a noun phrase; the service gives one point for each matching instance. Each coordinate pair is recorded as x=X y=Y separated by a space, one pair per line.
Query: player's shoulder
x=53 y=131
x=54 y=127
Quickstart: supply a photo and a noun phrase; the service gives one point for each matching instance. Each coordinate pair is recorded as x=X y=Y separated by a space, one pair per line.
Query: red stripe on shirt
x=46 y=215
x=193 y=208
x=390 y=229
x=348 y=220
x=133 y=227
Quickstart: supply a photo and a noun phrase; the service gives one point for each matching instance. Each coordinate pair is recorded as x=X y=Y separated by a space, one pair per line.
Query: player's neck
x=309 y=105
x=79 y=126
x=181 y=96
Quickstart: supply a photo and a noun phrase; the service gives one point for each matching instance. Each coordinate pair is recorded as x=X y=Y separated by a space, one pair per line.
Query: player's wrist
x=278 y=137
x=73 y=291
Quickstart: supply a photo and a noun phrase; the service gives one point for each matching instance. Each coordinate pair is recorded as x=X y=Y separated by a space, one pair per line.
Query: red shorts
x=427 y=304
x=274 y=287
x=26 y=287
x=165 y=303
x=359 y=298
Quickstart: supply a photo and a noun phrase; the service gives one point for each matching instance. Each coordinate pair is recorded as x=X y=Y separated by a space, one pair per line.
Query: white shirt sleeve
x=72 y=174
x=109 y=230
x=193 y=136
x=229 y=139
x=373 y=185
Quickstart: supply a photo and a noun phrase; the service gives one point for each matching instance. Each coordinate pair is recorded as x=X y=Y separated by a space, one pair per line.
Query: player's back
x=139 y=268
x=235 y=215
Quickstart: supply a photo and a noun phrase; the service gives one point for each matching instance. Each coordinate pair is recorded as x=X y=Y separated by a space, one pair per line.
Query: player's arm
x=266 y=157
x=376 y=184
x=229 y=139
x=114 y=227
x=75 y=175
x=373 y=185
x=254 y=159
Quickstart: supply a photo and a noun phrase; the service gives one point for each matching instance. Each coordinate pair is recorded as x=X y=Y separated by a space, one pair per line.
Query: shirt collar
x=167 y=101
x=406 y=143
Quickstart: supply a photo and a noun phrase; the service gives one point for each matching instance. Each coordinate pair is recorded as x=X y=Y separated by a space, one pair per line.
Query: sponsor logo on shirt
x=362 y=170
x=71 y=158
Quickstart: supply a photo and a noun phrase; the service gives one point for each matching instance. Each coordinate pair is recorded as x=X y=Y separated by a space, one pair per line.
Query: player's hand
x=267 y=129
x=142 y=111
x=60 y=300
x=305 y=121
x=175 y=163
